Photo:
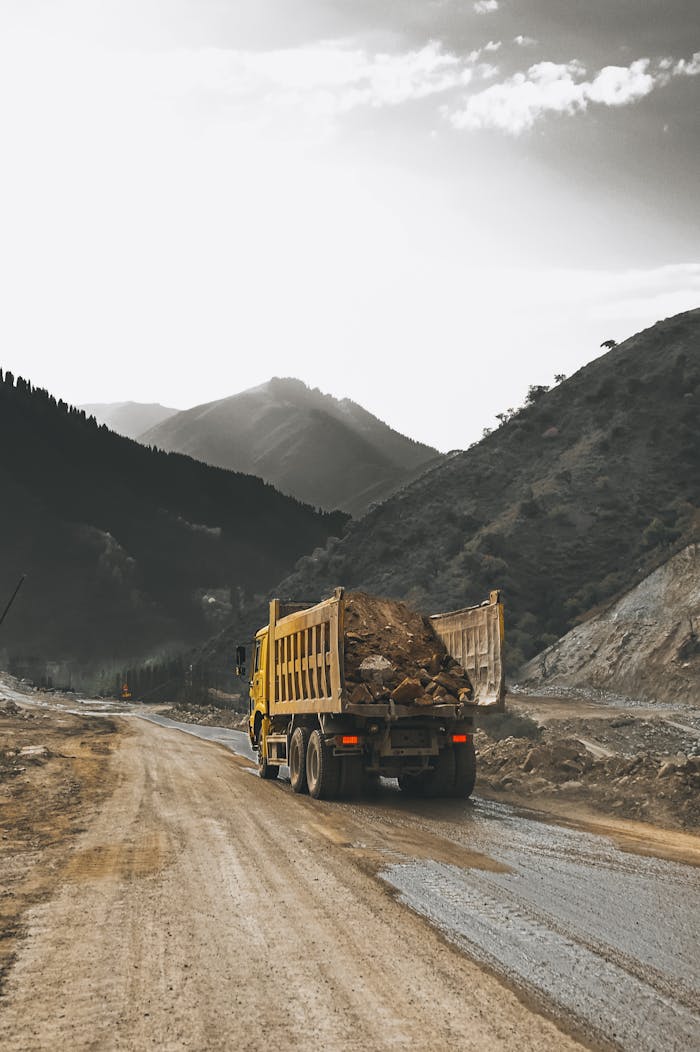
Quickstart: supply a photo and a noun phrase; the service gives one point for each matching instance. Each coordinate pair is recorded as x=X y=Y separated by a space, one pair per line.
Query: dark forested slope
x=329 y=452
x=128 y=549
x=568 y=503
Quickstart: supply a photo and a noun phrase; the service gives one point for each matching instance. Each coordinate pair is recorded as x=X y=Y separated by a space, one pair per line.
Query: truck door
x=259 y=683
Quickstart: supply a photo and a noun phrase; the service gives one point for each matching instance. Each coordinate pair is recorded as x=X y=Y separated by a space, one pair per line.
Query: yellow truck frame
x=300 y=713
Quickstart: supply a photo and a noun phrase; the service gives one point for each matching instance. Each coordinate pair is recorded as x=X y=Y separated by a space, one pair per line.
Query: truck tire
x=322 y=768
x=441 y=780
x=465 y=771
x=297 y=759
x=351 y=777
x=266 y=770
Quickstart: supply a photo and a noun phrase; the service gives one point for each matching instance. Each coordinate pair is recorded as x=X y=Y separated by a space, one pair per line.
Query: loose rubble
x=393 y=654
x=629 y=767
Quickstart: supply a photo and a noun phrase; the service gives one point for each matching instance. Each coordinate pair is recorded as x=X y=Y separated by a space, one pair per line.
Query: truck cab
x=258 y=696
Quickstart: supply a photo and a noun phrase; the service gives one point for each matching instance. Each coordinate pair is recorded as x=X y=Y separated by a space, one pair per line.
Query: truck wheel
x=351 y=777
x=322 y=768
x=441 y=779
x=465 y=771
x=265 y=769
x=297 y=759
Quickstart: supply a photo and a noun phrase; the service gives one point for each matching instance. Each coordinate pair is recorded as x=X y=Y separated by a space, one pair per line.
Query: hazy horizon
x=422 y=210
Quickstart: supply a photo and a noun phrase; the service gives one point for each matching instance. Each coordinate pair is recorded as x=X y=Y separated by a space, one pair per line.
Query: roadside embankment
x=54 y=773
x=620 y=763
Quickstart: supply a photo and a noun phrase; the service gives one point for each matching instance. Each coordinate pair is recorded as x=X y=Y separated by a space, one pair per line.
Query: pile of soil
x=393 y=653
x=207 y=716
x=647 y=785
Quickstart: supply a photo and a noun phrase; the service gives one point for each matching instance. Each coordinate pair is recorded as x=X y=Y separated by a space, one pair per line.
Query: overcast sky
x=424 y=206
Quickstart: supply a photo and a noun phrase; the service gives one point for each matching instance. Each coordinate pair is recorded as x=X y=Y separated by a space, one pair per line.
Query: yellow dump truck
x=302 y=716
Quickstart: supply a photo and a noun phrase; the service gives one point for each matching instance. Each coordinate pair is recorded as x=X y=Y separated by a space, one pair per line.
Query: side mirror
x=240 y=661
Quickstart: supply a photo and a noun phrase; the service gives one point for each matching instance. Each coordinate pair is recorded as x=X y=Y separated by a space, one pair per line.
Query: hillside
x=567 y=504
x=646 y=645
x=130 y=419
x=326 y=452
x=127 y=550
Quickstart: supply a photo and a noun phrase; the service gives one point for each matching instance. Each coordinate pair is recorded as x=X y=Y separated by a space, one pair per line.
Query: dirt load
x=392 y=652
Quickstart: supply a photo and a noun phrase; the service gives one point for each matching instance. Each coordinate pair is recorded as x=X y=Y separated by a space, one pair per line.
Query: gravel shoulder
x=564 y=755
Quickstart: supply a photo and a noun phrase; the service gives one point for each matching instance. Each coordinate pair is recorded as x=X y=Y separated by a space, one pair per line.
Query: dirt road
x=205 y=909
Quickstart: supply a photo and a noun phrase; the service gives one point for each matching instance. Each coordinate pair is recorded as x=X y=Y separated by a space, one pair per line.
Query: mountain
x=127 y=550
x=645 y=646
x=327 y=452
x=128 y=418
x=570 y=502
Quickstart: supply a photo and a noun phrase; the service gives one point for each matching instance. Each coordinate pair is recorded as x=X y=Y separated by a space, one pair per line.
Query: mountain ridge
x=128 y=418
x=562 y=506
x=326 y=451
x=127 y=549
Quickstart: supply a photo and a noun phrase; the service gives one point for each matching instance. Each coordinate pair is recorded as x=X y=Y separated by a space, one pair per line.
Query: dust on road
x=205 y=909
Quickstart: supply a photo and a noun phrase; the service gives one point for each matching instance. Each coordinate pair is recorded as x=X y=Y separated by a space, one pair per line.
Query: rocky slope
x=576 y=498
x=130 y=419
x=326 y=452
x=645 y=646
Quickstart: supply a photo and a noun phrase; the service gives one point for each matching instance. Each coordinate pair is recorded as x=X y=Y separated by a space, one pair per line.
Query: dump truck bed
x=307 y=649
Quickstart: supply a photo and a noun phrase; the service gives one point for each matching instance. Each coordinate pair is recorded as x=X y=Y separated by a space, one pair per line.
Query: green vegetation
x=570 y=501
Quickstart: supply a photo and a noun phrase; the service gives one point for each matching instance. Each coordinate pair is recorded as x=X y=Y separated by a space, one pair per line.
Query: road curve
x=205 y=909
x=600 y=936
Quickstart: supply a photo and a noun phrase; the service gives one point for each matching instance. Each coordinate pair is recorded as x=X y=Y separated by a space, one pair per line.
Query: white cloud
x=523 y=41
x=493 y=45
x=515 y=104
x=689 y=68
x=485 y=7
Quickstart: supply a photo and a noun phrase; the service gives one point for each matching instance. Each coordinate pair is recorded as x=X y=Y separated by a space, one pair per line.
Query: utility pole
x=12 y=598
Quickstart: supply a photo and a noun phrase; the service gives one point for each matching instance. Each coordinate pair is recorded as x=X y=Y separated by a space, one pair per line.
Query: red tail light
x=349 y=739
x=460 y=739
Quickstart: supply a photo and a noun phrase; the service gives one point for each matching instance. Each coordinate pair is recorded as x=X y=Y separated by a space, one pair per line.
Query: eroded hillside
x=568 y=504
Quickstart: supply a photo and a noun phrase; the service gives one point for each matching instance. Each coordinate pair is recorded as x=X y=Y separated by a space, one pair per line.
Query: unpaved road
x=205 y=909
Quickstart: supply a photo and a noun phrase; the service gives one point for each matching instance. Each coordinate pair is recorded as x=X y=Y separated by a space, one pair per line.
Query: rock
x=35 y=752
x=424 y=699
x=376 y=665
x=533 y=759
x=361 y=695
x=10 y=709
x=571 y=785
x=376 y=669
x=407 y=691
x=435 y=664
x=666 y=769
x=451 y=685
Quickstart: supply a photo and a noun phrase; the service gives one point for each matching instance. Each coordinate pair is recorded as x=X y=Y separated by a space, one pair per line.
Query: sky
x=424 y=206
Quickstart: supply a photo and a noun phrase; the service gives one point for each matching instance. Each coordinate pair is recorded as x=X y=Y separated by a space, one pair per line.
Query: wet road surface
x=604 y=937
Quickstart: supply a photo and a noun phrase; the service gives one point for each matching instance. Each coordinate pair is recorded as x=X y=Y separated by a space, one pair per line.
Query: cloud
x=493 y=45
x=485 y=7
x=516 y=104
x=523 y=41
x=690 y=68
